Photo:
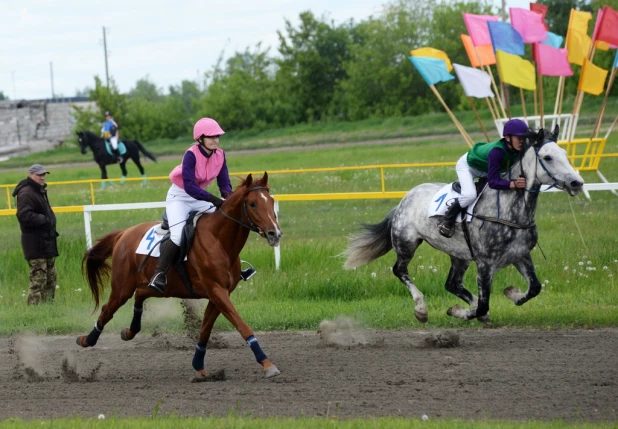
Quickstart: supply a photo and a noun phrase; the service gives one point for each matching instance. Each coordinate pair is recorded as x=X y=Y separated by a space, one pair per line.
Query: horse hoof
x=127 y=335
x=456 y=311
x=271 y=372
x=485 y=320
x=202 y=376
x=513 y=293
x=421 y=316
x=81 y=341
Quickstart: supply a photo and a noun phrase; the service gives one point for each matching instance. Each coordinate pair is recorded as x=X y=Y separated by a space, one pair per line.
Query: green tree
x=146 y=90
x=2 y=96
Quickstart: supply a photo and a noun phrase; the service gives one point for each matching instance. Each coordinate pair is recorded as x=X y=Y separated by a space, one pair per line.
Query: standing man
x=38 y=234
x=109 y=131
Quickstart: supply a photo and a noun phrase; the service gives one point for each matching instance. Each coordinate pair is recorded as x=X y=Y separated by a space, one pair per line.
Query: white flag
x=475 y=83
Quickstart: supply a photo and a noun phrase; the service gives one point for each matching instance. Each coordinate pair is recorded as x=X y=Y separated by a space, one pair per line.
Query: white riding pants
x=113 y=140
x=178 y=204
x=466 y=175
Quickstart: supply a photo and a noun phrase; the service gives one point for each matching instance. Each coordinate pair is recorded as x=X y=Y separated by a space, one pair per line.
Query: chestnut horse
x=213 y=267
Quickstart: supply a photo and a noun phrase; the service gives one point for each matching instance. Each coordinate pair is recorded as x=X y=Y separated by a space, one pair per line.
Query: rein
x=251 y=226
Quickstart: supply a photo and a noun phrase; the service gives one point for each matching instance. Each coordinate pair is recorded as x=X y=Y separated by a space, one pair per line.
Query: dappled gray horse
x=502 y=232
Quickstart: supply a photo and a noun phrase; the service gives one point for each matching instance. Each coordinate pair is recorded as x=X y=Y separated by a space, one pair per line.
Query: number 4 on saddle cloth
x=152 y=239
x=441 y=201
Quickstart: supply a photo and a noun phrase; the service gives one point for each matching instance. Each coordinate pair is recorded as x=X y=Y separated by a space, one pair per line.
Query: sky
x=164 y=41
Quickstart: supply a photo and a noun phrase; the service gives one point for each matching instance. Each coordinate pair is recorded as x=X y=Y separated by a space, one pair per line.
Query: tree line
x=322 y=71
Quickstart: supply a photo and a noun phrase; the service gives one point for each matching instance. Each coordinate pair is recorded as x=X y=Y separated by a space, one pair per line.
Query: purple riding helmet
x=515 y=127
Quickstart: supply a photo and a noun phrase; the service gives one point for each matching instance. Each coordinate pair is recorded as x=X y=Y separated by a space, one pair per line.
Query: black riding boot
x=446 y=226
x=168 y=255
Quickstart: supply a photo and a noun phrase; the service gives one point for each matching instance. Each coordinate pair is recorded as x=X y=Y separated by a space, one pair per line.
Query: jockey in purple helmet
x=486 y=160
x=202 y=163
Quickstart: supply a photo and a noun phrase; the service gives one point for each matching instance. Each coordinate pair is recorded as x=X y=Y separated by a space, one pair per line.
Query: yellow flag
x=433 y=53
x=579 y=21
x=516 y=71
x=578 y=45
x=592 y=78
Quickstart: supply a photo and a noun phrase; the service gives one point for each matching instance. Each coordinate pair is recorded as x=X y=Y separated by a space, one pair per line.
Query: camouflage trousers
x=42 y=281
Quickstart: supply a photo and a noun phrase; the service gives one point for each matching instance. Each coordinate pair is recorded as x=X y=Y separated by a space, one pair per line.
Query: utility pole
x=51 y=73
x=105 y=51
x=503 y=11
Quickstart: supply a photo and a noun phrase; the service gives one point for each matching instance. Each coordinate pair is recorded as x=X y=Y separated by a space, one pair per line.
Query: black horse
x=102 y=157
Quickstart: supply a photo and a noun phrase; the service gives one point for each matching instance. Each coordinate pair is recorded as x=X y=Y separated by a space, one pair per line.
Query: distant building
x=34 y=125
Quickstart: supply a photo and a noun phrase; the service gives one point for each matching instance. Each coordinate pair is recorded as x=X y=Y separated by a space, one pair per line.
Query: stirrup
x=247 y=273
x=157 y=284
x=445 y=231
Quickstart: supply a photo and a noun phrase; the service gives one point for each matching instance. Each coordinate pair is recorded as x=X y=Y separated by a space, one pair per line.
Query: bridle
x=244 y=214
x=560 y=184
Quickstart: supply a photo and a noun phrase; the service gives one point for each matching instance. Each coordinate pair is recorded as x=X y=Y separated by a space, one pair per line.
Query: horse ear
x=540 y=136
x=556 y=133
x=264 y=179
x=248 y=180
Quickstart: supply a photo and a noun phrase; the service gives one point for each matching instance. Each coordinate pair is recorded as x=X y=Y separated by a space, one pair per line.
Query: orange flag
x=485 y=53
x=592 y=79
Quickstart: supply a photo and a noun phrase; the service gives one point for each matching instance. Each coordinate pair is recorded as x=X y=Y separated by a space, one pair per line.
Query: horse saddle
x=479 y=184
x=121 y=147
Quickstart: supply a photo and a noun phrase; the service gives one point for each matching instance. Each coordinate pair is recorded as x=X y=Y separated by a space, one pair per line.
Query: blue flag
x=505 y=38
x=553 y=40
x=616 y=59
x=433 y=70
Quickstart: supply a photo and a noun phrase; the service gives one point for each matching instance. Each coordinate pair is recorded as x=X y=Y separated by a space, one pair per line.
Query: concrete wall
x=32 y=126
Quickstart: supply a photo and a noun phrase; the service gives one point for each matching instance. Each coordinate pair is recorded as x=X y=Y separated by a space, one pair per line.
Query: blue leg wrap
x=122 y=181
x=199 y=357
x=136 y=323
x=256 y=349
x=93 y=336
x=103 y=184
x=144 y=177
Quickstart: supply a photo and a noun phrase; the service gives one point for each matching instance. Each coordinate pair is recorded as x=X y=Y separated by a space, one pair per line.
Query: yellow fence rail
x=584 y=154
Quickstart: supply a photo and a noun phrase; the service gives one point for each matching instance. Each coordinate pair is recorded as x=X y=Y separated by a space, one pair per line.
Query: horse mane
x=249 y=183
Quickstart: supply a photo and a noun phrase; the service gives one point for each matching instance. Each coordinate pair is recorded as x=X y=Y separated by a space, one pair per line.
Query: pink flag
x=551 y=61
x=596 y=30
x=477 y=28
x=529 y=24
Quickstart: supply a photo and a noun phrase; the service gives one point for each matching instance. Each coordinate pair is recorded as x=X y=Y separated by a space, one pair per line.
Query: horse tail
x=145 y=152
x=370 y=245
x=94 y=264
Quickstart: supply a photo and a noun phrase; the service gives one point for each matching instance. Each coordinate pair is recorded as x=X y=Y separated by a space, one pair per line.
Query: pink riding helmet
x=206 y=127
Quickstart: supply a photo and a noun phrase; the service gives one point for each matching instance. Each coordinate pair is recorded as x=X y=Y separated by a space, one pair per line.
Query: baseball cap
x=38 y=169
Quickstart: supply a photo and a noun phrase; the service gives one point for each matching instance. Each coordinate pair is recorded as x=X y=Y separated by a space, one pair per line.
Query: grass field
x=580 y=277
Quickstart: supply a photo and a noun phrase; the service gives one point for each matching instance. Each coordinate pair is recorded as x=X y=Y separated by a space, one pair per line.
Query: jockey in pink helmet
x=202 y=163
x=486 y=160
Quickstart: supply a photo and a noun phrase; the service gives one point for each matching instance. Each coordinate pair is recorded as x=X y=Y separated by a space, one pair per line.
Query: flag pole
x=611 y=127
x=506 y=100
x=491 y=110
x=536 y=109
x=541 y=106
x=493 y=82
x=461 y=129
x=560 y=83
x=597 y=125
x=478 y=118
x=523 y=103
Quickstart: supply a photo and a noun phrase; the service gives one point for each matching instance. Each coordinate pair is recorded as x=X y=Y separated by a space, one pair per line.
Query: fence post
x=87 y=219
x=277 y=248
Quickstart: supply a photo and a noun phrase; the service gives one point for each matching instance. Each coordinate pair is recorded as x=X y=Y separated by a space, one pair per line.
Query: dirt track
x=493 y=373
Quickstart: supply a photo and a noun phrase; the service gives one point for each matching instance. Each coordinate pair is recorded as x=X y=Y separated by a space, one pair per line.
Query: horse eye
x=547 y=158
x=252 y=204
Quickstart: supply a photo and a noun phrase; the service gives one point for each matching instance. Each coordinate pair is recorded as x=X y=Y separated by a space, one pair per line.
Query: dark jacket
x=36 y=220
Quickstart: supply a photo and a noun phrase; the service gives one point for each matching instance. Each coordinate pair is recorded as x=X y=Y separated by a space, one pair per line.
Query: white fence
x=136 y=206
x=564 y=120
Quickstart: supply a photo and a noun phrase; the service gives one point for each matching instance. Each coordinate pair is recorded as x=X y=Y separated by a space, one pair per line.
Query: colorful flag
x=579 y=21
x=592 y=79
x=529 y=24
x=482 y=56
x=551 y=61
x=578 y=45
x=553 y=40
x=606 y=28
x=615 y=60
x=516 y=71
x=432 y=69
x=541 y=9
x=477 y=28
x=433 y=53
x=505 y=38
x=475 y=83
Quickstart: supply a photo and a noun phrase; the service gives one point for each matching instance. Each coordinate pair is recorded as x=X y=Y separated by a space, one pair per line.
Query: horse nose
x=273 y=235
x=576 y=184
